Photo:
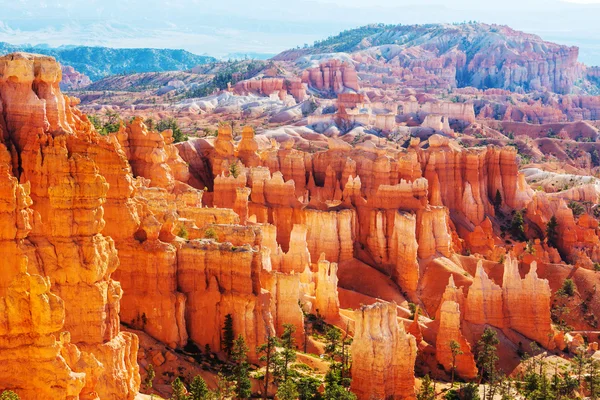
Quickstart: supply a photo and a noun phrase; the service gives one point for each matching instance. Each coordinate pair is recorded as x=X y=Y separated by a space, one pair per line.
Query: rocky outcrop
x=332 y=76
x=72 y=79
x=527 y=303
x=484 y=304
x=383 y=354
x=327 y=302
x=450 y=333
x=217 y=280
x=56 y=147
x=273 y=85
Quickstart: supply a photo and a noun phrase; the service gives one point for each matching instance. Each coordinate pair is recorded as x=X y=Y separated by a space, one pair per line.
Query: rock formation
x=383 y=354
x=449 y=332
x=527 y=303
x=332 y=76
x=55 y=149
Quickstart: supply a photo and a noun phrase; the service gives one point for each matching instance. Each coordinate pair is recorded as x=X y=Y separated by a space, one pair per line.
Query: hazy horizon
x=266 y=26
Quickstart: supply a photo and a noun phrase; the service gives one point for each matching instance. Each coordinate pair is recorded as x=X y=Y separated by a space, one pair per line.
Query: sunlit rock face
x=63 y=280
x=383 y=354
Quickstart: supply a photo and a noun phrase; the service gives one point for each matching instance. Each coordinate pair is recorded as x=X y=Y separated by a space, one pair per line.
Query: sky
x=223 y=27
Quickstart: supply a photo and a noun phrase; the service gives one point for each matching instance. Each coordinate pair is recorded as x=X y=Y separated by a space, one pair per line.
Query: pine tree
x=150 y=375
x=580 y=360
x=241 y=374
x=487 y=358
x=337 y=350
x=178 y=390
x=497 y=200
x=517 y=226
x=234 y=169
x=308 y=388
x=223 y=390
x=552 y=232
x=426 y=392
x=288 y=353
x=455 y=351
x=198 y=389
x=287 y=390
x=593 y=378
x=334 y=390
x=228 y=336
x=268 y=353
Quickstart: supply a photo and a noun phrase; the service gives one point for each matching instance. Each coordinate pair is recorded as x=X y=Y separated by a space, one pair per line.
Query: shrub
x=568 y=288
x=183 y=233
x=210 y=234
x=517 y=226
x=9 y=395
x=552 y=232
x=171 y=123
x=577 y=208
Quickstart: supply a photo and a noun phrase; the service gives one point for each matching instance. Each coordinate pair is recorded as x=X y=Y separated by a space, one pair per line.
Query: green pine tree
x=487 y=358
x=241 y=370
x=228 y=335
x=497 y=200
x=288 y=355
x=179 y=392
x=198 y=389
x=552 y=232
x=308 y=388
x=269 y=356
x=426 y=392
x=287 y=390
x=517 y=226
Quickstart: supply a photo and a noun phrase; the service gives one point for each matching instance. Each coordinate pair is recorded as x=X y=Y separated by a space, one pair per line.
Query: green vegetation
x=595 y=158
x=241 y=370
x=9 y=395
x=150 y=375
x=229 y=72
x=234 y=169
x=109 y=123
x=198 y=389
x=470 y=391
x=308 y=388
x=349 y=39
x=497 y=200
x=287 y=390
x=268 y=352
x=487 y=359
x=568 y=288
x=228 y=336
x=577 y=208
x=552 y=232
x=210 y=234
x=183 y=233
x=179 y=392
x=427 y=391
x=455 y=351
x=171 y=123
x=538 y=382
x=517 y=226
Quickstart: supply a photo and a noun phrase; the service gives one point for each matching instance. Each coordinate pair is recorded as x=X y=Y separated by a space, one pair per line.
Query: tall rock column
x=51 y=141
x=383 y=355
x=527 y=303
x=484 y=303
x=326 y=291
x=448 y=332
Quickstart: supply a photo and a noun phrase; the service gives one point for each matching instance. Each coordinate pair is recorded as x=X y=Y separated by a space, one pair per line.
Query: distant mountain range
x=99 y=62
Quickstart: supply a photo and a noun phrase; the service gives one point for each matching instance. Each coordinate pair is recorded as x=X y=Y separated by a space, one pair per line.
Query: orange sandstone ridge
x=169 y=239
